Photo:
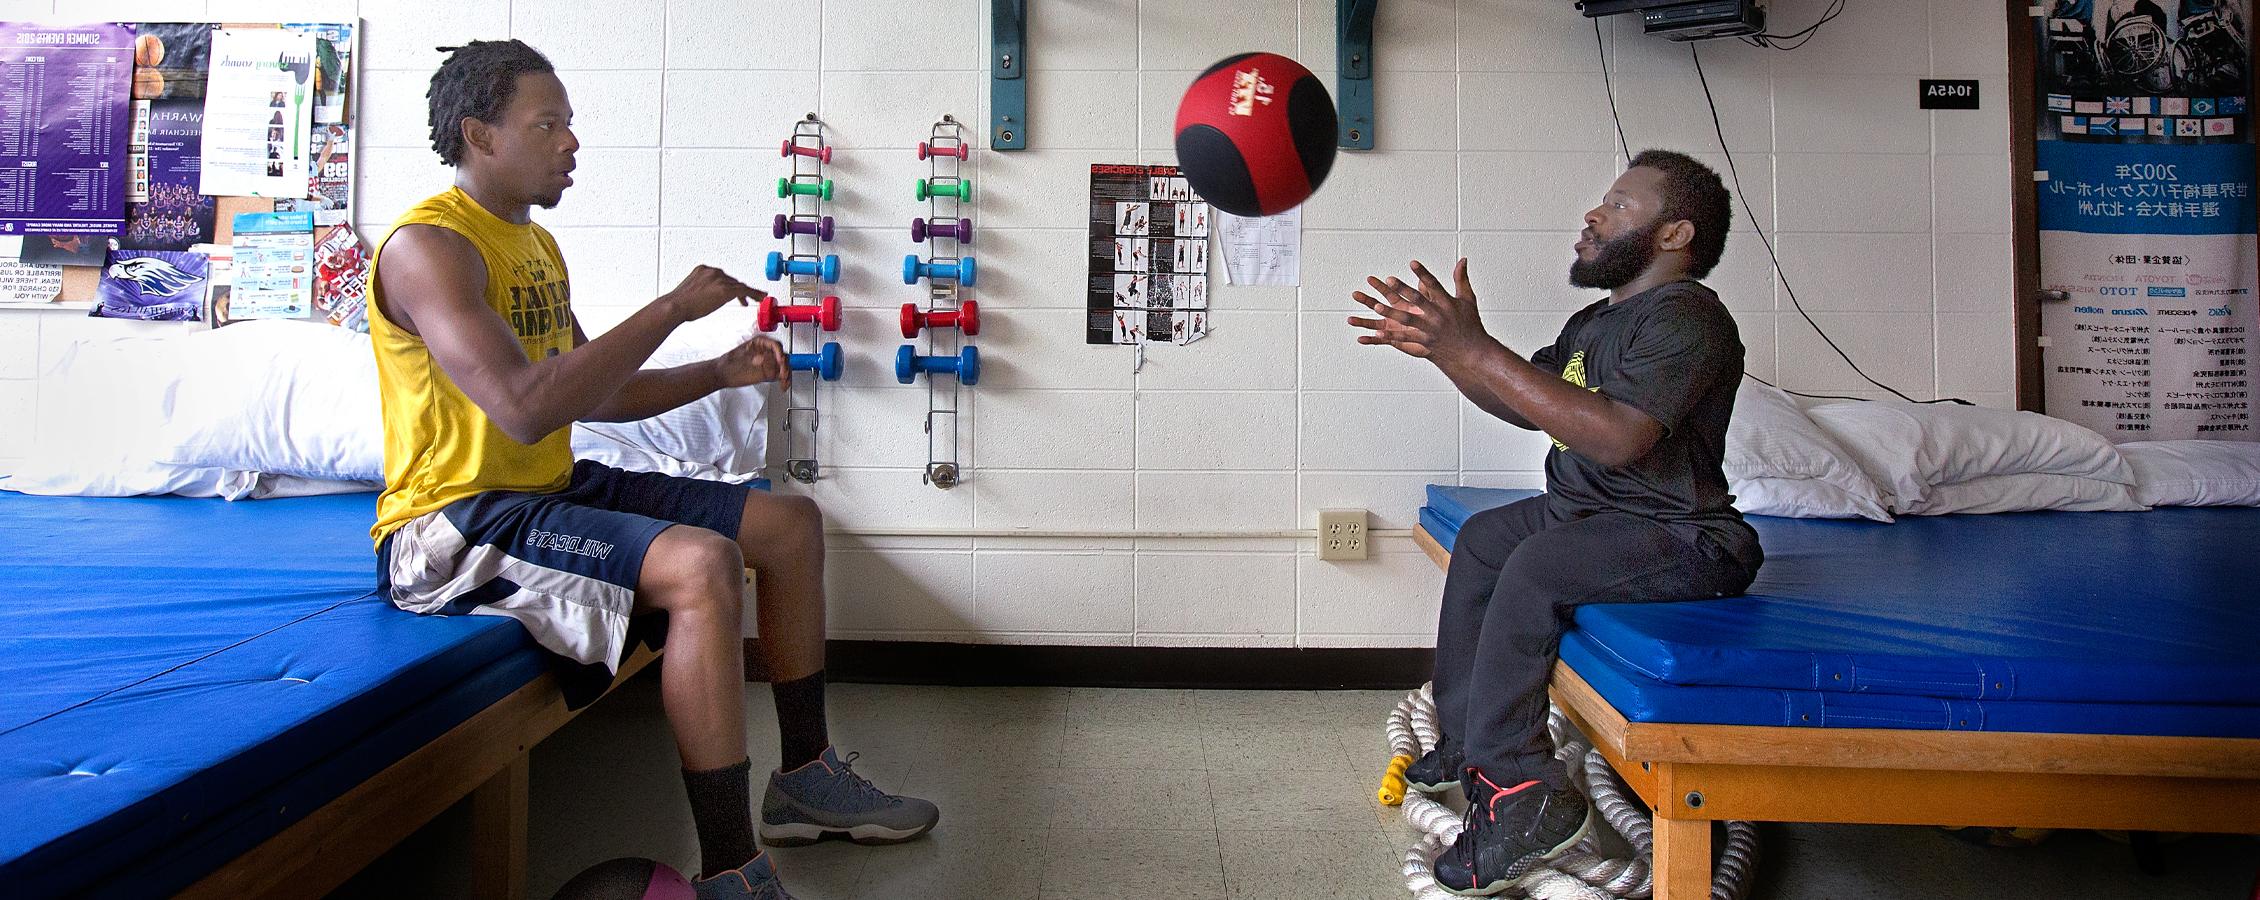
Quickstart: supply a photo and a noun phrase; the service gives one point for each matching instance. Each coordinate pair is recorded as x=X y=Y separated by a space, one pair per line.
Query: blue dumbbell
x=825 y=362
x=914 y=268
x=827 y=269
x=966 y=364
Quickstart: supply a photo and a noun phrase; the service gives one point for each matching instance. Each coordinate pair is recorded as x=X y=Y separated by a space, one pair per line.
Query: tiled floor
x=1049 y=794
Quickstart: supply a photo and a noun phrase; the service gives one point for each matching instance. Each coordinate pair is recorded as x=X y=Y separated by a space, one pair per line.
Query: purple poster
x=65 y=120
x=153 y=284
x=178 y=214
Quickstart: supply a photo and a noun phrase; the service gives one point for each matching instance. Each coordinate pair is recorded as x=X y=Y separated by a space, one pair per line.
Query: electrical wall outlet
x=1342 y=534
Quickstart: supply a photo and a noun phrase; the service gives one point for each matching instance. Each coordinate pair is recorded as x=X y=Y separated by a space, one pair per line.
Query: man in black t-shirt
x=1636 y=393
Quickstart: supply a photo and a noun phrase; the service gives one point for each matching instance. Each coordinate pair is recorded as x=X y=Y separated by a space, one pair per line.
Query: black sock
x=801 y=736
x=721 y=809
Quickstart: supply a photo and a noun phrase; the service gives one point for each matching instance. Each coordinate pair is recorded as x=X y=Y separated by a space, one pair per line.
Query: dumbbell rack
x=808 y=269
x=950 y=317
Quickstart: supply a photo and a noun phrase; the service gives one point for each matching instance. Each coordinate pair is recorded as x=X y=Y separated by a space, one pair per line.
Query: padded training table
x=208 y=698
x=2088 y=670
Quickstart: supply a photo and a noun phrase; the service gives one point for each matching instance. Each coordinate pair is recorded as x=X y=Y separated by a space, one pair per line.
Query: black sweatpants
x=1517 y=574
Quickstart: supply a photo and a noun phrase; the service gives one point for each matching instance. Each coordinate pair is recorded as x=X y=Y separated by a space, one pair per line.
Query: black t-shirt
x=1674 y=353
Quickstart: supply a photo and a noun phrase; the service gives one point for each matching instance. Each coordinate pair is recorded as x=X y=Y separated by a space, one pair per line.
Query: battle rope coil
x=1579 y=874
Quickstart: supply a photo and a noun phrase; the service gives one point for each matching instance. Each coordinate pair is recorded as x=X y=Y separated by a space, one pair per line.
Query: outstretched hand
x=757 y=360
x=707 y=289
x=1426 y=321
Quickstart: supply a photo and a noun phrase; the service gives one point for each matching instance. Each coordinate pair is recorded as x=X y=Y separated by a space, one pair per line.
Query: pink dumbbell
x=822 y=154
x=962 y=229
x=967 y=318
x=771 y=313
x=782 y=225
x=960 y=151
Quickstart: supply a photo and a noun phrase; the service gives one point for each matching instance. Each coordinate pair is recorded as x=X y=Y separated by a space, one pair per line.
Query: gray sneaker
x=756 y=880
x=826 y=798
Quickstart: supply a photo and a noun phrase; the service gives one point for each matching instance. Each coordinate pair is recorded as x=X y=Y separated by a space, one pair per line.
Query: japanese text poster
x=2145 y=159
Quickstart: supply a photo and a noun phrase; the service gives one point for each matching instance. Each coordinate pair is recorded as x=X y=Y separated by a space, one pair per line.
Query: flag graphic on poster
x=2147 y=220
x=156 y=285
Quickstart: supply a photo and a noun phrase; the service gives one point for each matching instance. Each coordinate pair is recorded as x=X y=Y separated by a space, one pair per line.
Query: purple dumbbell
x=781 y=226
x=962 y=229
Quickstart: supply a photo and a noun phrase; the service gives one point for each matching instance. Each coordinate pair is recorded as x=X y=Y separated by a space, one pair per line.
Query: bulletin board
x=160 y=170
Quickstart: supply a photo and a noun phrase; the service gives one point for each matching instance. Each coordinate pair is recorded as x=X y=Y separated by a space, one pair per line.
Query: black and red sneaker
x=1509 y=831
x=1436 y=771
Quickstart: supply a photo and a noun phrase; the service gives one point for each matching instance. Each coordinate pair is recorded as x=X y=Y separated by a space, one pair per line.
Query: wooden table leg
x=498 y=833
x=1683 y=859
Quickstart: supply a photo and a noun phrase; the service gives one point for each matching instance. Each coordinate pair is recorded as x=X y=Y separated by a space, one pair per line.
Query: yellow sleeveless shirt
x=439 y=446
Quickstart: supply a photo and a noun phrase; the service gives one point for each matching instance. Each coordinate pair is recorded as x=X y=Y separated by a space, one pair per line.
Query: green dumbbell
x=787 y=187
x=962 y=190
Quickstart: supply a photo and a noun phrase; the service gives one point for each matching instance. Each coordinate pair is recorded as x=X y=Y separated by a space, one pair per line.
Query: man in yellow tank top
x=483 y=370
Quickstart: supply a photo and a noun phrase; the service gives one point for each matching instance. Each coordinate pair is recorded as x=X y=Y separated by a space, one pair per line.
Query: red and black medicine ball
x=628 y=878
x=1255 y=134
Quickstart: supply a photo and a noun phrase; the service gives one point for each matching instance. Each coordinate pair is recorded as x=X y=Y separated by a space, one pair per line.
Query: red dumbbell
x=960 y=151
x=967 y=318
x=822 y=154
x=826 y=315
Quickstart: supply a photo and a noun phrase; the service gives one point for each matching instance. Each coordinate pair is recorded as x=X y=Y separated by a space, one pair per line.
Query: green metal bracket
x=1008 y=70
x=1353 y=59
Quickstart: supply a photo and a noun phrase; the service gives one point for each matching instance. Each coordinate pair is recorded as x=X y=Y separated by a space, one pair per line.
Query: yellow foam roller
x=1393 y=780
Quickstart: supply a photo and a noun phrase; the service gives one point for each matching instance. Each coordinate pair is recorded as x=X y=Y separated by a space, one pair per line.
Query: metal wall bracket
x=1353 y=59
x=1008 y=70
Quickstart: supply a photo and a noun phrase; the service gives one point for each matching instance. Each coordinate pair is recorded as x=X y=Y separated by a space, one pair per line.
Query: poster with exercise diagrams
x=1148 y=257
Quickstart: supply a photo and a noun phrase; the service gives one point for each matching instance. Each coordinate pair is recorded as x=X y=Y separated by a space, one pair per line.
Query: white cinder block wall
x=1494 y=137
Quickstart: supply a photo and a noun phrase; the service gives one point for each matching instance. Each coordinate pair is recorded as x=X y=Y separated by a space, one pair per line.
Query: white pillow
x=1883 y=440
x=1909 y=448
x=275 y=487
x=2024 y=491
x=2194 y=473
x=281 y=397
x=1801 y=498
x=100 y=406
x=1965 y=442
x=1771 y=446
x=723 y=436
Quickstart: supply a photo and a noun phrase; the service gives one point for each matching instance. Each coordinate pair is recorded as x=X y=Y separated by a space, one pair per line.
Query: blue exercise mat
x=172 y=666
x=2159 y=607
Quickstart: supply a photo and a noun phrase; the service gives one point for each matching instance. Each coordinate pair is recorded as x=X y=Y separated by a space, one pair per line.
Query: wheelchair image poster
x=2144 y=178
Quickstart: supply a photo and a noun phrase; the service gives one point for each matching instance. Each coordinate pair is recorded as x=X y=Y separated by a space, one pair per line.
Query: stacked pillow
x=2195 y=473
x=289 y=408
x=1778 y=463
x=1935 y=458
x=1876 y=459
